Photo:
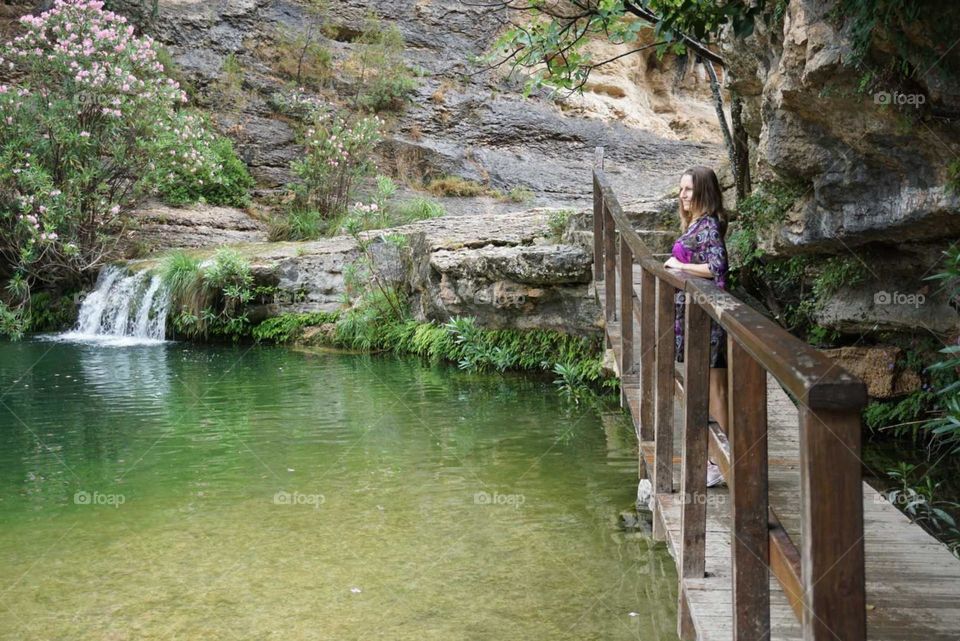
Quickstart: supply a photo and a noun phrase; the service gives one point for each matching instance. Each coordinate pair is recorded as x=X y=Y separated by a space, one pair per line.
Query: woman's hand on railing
x=697 y=269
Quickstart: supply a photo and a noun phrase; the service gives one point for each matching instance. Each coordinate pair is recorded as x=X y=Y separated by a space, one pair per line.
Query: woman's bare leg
x=718 y=396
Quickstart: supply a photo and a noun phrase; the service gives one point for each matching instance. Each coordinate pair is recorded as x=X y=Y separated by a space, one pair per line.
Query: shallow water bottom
x=171 y=492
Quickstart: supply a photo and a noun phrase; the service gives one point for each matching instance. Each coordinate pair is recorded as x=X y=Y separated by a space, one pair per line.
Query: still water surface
x=179 y=492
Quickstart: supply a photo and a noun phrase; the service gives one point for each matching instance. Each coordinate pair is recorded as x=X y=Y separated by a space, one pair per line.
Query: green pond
x=170 y=491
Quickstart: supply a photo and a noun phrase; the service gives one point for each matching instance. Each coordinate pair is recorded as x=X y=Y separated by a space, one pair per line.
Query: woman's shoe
x=714 y=476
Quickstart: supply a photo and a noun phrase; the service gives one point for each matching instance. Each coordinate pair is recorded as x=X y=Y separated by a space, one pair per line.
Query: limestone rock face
x=157 y=227
x=873 y=163
x=477 y=126
x=893 y=297
x=506 y=270
x=871 y=175
x=521 y=286
x=528 y=265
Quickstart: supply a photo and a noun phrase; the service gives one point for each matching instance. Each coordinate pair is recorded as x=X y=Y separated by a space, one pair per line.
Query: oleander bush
x=92 y=127
x=338 y=155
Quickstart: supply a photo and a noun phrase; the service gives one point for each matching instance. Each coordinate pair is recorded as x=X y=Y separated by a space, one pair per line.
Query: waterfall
x=124 y=308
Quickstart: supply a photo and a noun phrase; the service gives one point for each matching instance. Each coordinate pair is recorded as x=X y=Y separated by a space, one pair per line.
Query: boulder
x=870 y=177
x=879 y=367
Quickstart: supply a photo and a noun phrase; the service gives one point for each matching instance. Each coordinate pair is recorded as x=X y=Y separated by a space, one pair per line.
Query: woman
x=700 y=250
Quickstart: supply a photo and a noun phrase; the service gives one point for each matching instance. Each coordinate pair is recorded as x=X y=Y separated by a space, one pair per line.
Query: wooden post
x=597 y=230
x=648 y=345
x=626 y=308
x=750 y=554
x=610 y=264
x=665 y=389
x=831 y=504
x=597 y=216
x=696 y=415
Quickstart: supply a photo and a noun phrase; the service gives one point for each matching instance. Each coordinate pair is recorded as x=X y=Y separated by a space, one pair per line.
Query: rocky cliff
x=461 y=120
x=870 y=148
x=504 y=269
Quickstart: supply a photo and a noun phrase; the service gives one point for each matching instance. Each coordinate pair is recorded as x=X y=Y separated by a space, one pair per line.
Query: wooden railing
x=824 y=578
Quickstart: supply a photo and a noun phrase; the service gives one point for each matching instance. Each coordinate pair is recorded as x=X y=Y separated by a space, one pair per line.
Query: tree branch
x=651 y=17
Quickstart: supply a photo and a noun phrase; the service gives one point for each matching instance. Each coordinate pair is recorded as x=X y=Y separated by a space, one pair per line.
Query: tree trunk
x=741 y=149
x=724 y=128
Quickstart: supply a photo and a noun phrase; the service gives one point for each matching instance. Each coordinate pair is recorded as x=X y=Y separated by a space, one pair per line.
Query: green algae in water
x=177 y=492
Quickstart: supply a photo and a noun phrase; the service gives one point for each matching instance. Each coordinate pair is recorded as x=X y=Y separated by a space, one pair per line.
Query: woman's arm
x=714 y=250
x=697 y=269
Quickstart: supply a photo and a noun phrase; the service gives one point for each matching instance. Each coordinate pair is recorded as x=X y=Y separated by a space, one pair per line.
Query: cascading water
x=124 y=308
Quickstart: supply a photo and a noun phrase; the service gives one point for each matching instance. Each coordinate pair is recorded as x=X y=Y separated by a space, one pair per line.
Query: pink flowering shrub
x=92 y=127
x=339 y=154
x=191 y=163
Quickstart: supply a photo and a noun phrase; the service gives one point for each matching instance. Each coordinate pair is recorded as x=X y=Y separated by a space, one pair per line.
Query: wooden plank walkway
x=912 y=580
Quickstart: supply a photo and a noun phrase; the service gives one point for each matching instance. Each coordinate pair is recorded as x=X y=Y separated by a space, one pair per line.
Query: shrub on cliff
x=203 y=166
x=338 y=155
x=383 y=81
x=384 y=212
x=92 y=126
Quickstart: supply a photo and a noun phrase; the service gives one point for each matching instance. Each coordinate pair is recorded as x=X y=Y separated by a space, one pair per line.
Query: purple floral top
x=703 y=243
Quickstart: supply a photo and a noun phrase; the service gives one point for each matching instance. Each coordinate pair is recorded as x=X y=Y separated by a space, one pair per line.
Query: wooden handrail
x=813 y=379
x=829 y=398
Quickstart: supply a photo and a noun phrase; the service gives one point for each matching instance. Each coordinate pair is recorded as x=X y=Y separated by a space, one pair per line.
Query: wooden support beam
x=831 y=508
x=610 y=264
x=785 y=564
x=648 y=344
x=750 y=556
x=597 y=216
x=693 y=489
x=663 y=407
x=597 y=231
x=626 y=309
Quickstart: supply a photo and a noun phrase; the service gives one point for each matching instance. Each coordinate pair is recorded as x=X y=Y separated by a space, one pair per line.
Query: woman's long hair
x=707 y=198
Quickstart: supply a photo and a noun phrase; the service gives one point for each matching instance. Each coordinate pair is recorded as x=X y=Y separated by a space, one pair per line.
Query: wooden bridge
x=797 y=546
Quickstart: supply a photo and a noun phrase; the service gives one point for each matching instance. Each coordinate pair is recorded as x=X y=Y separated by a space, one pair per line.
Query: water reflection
x=138 y=375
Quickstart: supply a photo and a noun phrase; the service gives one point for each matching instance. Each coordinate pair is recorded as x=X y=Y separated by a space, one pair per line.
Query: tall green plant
x=210 y=298
x=946 y=427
